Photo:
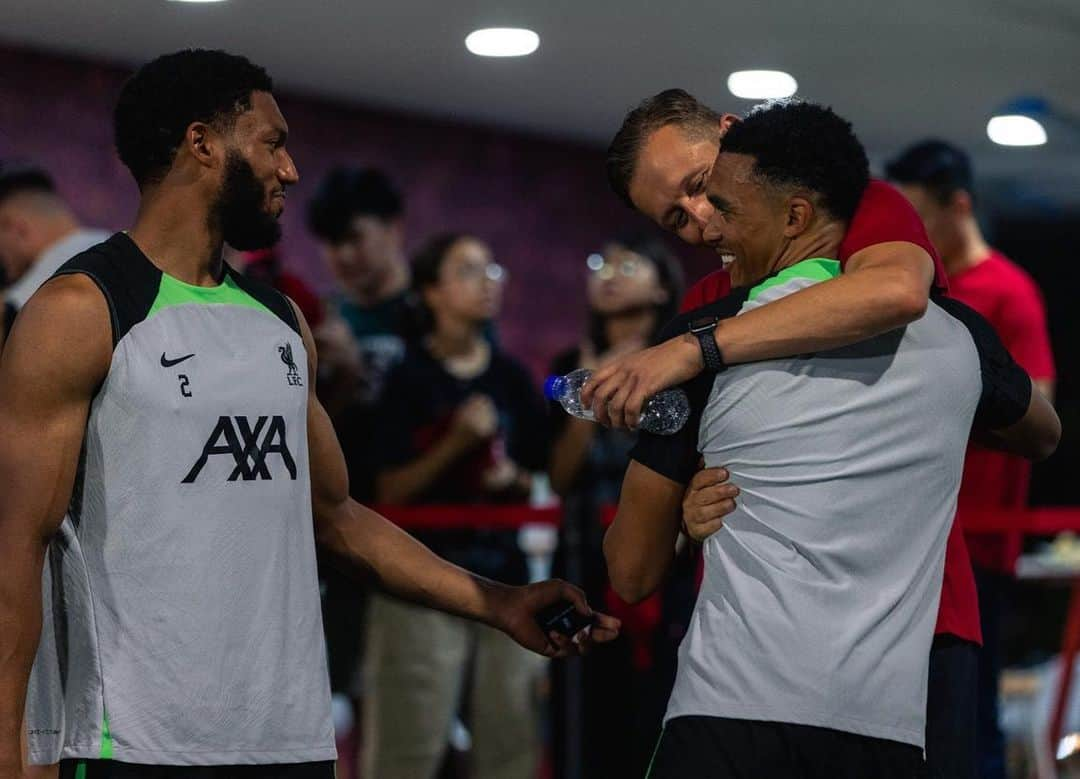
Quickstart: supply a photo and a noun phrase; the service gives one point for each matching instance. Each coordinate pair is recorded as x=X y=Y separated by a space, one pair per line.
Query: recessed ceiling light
x=761 y=84
x=502 y=42
x=1016 y=130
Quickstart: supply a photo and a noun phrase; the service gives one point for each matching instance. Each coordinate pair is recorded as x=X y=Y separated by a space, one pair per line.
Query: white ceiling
x=899 y=70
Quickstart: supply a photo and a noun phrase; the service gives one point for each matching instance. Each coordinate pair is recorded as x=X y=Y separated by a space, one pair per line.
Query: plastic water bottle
x=664 y=413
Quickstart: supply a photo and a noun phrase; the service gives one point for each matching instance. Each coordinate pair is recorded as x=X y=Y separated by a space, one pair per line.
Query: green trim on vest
x=173 y=292
x=816 y=269
x=106 y=737
x=80 y=770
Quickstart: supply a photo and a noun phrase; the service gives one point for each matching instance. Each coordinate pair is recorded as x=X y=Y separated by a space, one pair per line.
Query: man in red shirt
x=937 y=179
x=659 y=163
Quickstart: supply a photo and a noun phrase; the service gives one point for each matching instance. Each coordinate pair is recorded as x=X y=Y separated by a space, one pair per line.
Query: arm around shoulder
x=905 y=274
x=883 y=287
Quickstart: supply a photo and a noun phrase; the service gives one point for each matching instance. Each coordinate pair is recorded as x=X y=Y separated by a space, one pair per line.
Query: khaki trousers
x=415 y=668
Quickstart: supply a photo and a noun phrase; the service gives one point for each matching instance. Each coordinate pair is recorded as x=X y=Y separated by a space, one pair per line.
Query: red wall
x=543 y=205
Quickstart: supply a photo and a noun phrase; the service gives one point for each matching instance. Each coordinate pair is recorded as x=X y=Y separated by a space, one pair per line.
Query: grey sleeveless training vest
x=186 y=603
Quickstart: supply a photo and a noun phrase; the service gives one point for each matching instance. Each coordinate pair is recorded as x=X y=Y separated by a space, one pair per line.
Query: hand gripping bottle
x=664 y=413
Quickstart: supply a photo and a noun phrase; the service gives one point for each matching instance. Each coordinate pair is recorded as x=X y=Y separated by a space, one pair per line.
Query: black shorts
x=951 y=709
x=719 y=748
x=112 y=769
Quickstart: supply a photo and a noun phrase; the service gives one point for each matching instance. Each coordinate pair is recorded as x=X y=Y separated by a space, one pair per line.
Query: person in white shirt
x=38 y=233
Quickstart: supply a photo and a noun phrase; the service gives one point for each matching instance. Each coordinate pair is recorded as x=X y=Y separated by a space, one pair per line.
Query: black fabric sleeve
x=127 y=279
x=1006 y=387
x=676 y=456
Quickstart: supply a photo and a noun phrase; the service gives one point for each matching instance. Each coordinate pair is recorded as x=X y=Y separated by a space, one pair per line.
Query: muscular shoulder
x=63 y=334
x=71 y=305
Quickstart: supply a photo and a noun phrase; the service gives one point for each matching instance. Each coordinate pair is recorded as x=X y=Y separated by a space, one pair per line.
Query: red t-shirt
x=883 y=216
x=306 y=300
x=1008 y=297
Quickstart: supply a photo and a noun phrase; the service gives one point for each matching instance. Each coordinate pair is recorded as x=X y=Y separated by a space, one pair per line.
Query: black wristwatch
x=703 y=328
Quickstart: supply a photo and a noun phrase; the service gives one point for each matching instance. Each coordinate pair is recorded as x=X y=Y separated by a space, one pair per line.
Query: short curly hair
x=346 y=192
x=672 y=106
x=805 y=145
x=163 y=97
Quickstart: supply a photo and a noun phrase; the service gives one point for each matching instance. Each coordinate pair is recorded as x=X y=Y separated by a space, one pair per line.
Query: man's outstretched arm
x=56 y=356
x=883 y=287
x=406 y=568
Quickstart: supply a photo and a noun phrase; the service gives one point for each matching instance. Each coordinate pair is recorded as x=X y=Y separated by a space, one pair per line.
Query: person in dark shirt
x=357 y=216
x=461 y=422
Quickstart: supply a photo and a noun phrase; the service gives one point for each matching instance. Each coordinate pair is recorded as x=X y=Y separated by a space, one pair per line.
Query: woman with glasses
x=633 y=287
x=461 y=422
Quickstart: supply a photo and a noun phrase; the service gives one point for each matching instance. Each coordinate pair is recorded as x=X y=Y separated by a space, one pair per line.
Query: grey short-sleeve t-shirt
x=821 y=590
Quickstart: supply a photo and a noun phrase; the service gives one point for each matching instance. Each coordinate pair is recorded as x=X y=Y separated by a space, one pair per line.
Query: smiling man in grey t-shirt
x=807 y=652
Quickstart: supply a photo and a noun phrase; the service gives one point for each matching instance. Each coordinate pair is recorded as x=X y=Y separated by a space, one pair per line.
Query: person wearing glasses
x=633 y=287
x=460 y=422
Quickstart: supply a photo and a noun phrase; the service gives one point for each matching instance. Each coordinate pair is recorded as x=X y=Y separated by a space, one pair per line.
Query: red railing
x=478 y=516
x=1036 y=521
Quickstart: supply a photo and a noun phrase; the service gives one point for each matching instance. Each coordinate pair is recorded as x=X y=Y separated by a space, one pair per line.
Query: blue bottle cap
x=553 y=387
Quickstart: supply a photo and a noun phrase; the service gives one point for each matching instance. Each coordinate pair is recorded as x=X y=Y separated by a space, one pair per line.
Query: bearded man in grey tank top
x=168 y=403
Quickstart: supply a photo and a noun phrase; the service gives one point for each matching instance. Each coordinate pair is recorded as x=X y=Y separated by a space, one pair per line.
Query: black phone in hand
x=563 y=618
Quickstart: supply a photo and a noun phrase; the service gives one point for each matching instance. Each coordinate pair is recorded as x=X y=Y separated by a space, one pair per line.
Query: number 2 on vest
x=184 y=384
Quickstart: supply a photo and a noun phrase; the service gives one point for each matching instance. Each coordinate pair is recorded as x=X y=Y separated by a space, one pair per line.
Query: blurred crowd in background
x=433 y=411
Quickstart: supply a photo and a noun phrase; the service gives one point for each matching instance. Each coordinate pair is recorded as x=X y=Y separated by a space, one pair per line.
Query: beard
x=239 y=208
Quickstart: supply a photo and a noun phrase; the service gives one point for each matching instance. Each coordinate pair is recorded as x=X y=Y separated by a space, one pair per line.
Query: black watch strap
x=703 y=329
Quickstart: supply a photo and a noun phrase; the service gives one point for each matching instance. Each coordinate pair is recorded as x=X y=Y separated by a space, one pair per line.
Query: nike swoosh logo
x=165 y=363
